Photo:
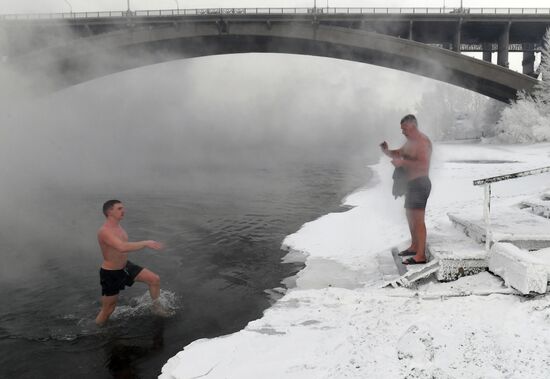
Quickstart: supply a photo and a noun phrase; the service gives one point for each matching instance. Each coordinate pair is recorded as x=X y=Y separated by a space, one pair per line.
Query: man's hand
x=154 y=245
x=397 y=162
x=384 y=146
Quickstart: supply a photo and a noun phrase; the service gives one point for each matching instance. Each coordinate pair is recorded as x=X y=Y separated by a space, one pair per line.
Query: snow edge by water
x=331 y=327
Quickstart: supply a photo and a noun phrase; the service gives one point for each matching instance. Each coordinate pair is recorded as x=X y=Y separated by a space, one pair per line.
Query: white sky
x=24 y=6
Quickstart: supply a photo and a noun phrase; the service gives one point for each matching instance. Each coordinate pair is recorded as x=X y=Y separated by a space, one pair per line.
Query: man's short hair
x=409 y=118
x=109 y=205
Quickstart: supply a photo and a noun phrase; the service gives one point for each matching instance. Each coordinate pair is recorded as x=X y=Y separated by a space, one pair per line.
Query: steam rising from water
x=167 y=128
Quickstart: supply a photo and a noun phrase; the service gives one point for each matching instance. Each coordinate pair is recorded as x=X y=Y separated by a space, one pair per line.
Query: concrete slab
x=415 y=273
x=537 y=206
x=457 y=254
x=386 y=266
x=398 y=261
x=523 y=229
x=525 y=271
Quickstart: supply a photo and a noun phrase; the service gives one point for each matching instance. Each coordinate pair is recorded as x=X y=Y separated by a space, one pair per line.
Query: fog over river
x=218 y=157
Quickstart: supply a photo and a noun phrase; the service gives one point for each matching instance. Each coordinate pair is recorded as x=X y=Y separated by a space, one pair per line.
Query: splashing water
x=143 y=305
x=70 y=327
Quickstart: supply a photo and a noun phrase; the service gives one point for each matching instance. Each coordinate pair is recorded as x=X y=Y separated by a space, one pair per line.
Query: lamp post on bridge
x=70 y=6
x=128 y=12
x=177 y=5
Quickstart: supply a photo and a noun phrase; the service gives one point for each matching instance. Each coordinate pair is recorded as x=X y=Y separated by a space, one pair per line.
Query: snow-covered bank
x=368 y=332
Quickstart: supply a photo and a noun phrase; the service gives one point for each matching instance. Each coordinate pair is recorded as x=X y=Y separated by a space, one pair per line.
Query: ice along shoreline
x=335 y=332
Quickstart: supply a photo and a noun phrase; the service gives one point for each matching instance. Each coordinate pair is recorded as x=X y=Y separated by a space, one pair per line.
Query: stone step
x=450 y=256
x=538 y=207
x=414 y=273
x=522 y=270
x=523 y=229
x=398 y=261
x=457 y=254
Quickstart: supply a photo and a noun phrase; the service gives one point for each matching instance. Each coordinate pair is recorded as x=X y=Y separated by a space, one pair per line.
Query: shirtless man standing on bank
x=116 y=270
x=415 y=157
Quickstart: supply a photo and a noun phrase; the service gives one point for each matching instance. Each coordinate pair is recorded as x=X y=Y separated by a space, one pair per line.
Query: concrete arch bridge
x=83 y=47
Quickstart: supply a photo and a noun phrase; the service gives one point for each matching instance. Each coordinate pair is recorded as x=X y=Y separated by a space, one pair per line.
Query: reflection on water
x=222 y=258
x=219 y=158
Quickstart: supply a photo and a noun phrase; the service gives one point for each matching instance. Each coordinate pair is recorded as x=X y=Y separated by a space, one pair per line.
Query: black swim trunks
x=113 y=281
x=418 y=191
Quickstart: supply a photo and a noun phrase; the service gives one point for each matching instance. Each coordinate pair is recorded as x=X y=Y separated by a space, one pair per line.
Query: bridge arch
x=88 y=58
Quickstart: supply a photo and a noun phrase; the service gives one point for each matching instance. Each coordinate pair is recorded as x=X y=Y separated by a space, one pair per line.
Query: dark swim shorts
x=113 y=281
x=418 y=191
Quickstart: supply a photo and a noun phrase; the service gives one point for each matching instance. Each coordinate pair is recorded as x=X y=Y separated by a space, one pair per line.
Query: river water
x=223 y=257
x=219 y=173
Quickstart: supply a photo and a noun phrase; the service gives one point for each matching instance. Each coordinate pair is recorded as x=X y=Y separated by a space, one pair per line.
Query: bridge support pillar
x=457 y=39
x=528 y=61
x=487 y=51
x=411 y=34
x=503 y=45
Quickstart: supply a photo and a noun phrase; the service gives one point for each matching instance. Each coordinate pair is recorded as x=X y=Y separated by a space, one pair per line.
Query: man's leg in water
x=152 y=280
x=410 y=220
x=108 y=305
x=419 y=228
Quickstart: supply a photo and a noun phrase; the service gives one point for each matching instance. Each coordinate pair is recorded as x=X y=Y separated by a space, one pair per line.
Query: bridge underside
x=107 y=54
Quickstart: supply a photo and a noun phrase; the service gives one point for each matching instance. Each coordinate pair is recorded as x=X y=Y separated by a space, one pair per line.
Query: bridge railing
x=279 y=11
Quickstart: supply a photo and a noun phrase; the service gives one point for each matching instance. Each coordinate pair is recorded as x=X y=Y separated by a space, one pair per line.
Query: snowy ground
x=339 y=323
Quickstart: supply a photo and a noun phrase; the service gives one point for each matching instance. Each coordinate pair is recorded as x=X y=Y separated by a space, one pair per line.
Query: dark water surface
x=223 y=254
x=220 y=158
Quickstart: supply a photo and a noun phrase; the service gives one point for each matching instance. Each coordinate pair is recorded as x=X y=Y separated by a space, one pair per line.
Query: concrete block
x=458 y=255
x=519 y=268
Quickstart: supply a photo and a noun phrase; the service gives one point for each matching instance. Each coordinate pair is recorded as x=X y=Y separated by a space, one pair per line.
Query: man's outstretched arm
x=126 y=247
x=390 y=153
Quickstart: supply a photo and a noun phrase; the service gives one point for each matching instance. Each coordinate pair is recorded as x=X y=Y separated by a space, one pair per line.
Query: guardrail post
x=487 y=215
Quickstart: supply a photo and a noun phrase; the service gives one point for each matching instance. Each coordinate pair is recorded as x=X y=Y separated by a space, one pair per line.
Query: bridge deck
x=402 y=41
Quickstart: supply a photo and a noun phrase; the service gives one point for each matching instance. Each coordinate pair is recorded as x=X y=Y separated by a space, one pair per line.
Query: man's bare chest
x=121 y=233
x=409 y=151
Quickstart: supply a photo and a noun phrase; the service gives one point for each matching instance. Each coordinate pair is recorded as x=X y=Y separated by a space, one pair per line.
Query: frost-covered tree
x=523 y=123
x=528 y=118
x=541 y=91
x=447 y=112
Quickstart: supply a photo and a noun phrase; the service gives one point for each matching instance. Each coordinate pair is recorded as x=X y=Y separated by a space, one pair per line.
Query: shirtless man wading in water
x=414 y=156
x=116 y=270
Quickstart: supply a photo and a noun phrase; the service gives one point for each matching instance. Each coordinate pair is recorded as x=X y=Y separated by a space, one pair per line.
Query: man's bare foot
x=100 y=321
x=160 y=310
